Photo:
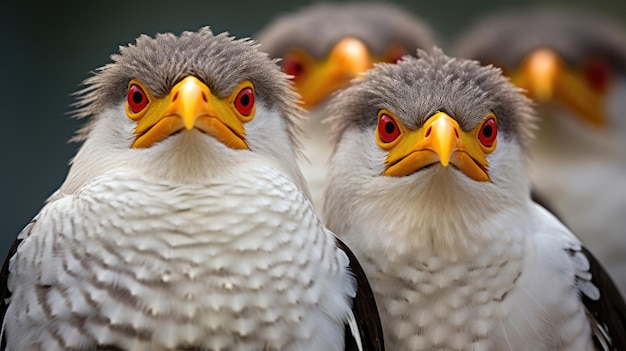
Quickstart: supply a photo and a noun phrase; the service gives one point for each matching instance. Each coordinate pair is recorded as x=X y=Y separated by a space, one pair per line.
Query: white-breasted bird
x=324 y=46
x=573 y=64
x=183 y=222
x=428 y=187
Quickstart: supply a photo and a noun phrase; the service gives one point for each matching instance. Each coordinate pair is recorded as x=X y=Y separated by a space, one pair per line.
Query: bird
x=573 y=65
x=325 y=45
x=428 y=187
x=184 y=222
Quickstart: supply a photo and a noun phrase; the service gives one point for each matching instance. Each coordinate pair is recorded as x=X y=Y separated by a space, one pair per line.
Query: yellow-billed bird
x=573 y=65
x=429 y=188
x=324 y=46
x=183 y=223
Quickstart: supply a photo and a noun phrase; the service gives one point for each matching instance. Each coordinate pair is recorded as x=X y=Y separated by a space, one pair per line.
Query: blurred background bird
x=184 y=221
x=428 y=186
x=324 y=47
x=573 y=65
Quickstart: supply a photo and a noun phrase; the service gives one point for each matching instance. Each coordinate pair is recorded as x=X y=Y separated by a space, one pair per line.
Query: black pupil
x=487 y=131
x=389 y=127
x=137 y=97
x=245 y=99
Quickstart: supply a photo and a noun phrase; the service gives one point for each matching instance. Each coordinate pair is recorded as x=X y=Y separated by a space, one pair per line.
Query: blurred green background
x=48 y=48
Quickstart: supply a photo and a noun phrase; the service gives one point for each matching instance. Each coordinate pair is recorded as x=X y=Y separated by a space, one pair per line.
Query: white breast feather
x=240 y=263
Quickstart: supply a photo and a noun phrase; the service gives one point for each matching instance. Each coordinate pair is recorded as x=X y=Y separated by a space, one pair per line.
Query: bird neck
x=189 y=157
x=459 y=218
x=441 y=214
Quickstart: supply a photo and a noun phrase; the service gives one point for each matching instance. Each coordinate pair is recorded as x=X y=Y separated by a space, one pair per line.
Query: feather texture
x=150 y=265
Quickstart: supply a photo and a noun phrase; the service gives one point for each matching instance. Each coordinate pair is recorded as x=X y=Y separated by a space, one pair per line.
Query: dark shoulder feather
x=4 y=287
x=4 y=277
x=607 y=314
x=364 y=309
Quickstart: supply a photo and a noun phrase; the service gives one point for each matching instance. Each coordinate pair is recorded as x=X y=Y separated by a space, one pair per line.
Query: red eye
x=597 y=74
x=396 y=56
x=488 y=132
x=388 y=130
x=244 y=102
x=292 y=66
x=137 y=99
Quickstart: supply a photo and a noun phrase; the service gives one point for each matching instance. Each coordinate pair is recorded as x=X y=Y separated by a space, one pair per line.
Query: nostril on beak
x=175 y=97
x=428 y=132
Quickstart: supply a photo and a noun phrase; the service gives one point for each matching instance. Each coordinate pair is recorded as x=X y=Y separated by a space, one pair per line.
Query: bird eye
x=137 y=99
x=293 y=66
x=396 y=58
x=488 y=132
x=244 y=102
x=597 y=73
x=395 y=54
x=388 y=130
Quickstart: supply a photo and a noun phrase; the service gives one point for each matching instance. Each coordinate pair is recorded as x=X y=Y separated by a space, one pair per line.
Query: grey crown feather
x=416 y=88
x=318 y=27
x=159 y=62
x=574 y=35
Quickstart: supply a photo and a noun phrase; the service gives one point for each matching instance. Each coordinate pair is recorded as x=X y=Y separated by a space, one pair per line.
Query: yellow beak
x=347 y=59
x=190 y=104
x=440 y=140
x=546 y=78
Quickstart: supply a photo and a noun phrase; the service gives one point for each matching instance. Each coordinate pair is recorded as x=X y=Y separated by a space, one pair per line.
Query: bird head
x=566 y=60
x=427 y=136
x=324 y=46
x=184 y=107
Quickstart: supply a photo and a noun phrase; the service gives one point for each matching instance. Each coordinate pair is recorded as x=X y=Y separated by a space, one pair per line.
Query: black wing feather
x=4 y=287
x=364 y=309
x=4 y=277
x=608 y=313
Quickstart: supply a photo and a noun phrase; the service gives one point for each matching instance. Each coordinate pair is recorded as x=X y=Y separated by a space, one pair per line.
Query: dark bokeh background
x=48 y=48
